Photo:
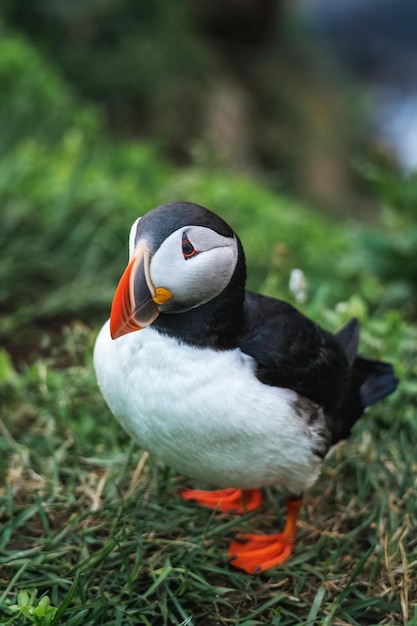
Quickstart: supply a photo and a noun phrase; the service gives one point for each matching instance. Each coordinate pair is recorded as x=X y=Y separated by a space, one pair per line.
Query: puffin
x=232 y=388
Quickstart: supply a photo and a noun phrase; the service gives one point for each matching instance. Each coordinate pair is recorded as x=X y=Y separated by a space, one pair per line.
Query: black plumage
x=263 y=414
x=290 y=350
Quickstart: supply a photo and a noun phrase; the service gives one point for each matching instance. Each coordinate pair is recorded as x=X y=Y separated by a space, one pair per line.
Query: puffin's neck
x=205 y=326
x=217 y=324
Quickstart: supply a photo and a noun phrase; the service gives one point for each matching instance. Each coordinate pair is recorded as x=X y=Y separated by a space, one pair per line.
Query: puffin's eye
x=188 y=249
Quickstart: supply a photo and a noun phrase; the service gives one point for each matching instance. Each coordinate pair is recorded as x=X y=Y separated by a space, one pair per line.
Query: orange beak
x=135 y=303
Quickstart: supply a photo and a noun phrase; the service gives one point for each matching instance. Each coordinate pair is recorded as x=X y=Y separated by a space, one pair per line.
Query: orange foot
x=234 y=501
x=257 y=553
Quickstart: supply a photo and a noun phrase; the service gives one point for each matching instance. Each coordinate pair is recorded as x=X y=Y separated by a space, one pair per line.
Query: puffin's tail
x=370 y=381
x=376 y=380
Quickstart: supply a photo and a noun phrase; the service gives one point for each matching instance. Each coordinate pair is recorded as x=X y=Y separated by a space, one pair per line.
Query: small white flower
x=298 y=285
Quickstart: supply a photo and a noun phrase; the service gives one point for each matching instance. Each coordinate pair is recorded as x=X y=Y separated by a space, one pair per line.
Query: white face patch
x=132 y=238
x=200 y=278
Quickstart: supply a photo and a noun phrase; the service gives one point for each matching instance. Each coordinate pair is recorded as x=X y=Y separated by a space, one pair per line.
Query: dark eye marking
x=188 y=249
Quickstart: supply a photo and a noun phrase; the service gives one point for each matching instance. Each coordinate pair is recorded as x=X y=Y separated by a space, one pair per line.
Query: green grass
x=92 y=529
x=94 y=524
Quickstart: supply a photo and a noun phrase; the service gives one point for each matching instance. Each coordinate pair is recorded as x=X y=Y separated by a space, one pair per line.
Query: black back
x=290 y=350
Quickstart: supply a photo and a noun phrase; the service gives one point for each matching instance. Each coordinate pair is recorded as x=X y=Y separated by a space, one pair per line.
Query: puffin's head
x=181 y=256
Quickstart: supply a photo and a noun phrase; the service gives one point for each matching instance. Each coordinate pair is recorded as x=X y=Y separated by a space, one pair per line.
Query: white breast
x=205 y=413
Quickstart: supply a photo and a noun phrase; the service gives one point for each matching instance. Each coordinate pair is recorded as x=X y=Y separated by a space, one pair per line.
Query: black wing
x=292 y=351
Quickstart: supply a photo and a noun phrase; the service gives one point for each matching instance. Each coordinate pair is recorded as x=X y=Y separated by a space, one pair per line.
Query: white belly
x=204 y=412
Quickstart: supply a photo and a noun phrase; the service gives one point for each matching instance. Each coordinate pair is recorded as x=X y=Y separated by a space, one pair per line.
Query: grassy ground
x=90 y=521
x=92 y=530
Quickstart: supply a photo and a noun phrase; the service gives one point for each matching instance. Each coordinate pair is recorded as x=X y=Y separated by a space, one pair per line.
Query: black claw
x=190 y=500
x=241 y=539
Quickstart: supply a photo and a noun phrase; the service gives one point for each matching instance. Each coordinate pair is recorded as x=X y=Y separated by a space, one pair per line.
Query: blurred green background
x=109 y=108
